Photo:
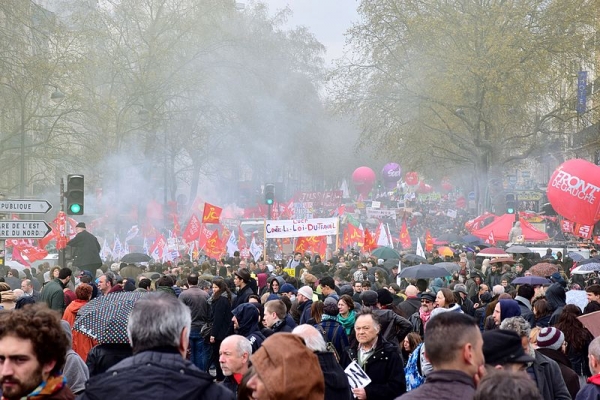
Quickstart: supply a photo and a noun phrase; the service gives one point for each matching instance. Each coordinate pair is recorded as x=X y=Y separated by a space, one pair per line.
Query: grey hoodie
x=75 y=370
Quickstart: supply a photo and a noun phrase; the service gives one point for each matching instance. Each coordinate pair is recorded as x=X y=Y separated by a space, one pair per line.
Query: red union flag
x=370 y=243
x=205 y=234
x=405 y=237
x=192 y=230
x=567 y=226
x=583 y=231
x=213 y=245
x=211 y=214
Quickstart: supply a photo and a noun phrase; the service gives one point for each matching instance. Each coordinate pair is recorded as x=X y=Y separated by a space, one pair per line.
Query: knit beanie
x=550 y=338
x=281 y=363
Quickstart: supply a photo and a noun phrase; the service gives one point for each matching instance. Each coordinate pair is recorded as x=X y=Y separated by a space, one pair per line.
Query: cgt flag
x=405 y=237
x=211 y=214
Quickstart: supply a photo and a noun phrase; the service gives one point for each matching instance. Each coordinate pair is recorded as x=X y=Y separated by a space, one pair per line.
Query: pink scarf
x=425 y=315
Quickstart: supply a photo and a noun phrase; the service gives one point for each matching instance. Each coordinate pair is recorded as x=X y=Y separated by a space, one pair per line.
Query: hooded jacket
x=509 y=309
x=591 y=391
x=81 y=344
x=75 y=369
x=276 y=364
x=247 y=318
x=556 y=298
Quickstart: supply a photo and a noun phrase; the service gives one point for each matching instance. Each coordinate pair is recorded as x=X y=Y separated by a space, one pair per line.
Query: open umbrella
x=105 y=318
x=385 y=253
x=130 y=271
x=575 y=256
x=446 y=251
x=530 y=280
x=543 y=269
x=391 y=263
x=518 y=250
x=472 y=239
x=413 y=258
x=136 y=258
x=586 y=268
x=423 y=271
x=588 y=261
x=492 y=252
x=449 y=266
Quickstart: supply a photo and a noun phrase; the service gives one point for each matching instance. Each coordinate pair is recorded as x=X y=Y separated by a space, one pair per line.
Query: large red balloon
x=363 y=179
x=411 y=178
x=574 y=191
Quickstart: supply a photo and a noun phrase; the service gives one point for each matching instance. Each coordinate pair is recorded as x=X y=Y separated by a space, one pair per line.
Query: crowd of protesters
x=298 y=328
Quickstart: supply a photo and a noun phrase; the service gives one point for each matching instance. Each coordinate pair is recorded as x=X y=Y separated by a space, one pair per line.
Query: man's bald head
x=411 y=290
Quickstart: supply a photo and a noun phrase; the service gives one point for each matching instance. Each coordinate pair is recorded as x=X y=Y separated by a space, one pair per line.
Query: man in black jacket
x=87 y=249
x=394 y=328
x=378 y=358
x=241 y=279
x=158 y=328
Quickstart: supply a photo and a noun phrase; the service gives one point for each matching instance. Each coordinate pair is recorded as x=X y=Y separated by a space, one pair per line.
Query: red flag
x=490 y=239
x=61 y=227
x=428 y=241
x=370 y=243
x=16 y=255
x=596 y=239
x=356 y=235
x=213 y=246
x=242 y=244
x=302 y=245
x=405 y=237
x=211 y=214
x=567 y=226
x=32 y=253
x=583 y=231
x=176 y=226
x=205 y=234
x=156 y=250
x=192 y=230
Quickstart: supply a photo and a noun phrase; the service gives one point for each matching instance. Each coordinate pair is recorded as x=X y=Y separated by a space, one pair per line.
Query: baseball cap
x=369 y=297
x=502 y=346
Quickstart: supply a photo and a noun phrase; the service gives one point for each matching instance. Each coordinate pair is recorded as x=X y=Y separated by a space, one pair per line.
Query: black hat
x=427 y=296
x=243 y=274
x=369 y=297
x=80 y=225
x=384 y=297
x=502 y=346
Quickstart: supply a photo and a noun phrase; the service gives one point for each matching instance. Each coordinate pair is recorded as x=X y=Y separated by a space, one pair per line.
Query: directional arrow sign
x=24 y=229
x=24 y=206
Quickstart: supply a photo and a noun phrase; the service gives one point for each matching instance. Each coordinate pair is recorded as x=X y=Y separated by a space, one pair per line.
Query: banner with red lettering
x=567 y=226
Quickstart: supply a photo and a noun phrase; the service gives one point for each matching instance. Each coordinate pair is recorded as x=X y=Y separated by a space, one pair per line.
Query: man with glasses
x=420 y=318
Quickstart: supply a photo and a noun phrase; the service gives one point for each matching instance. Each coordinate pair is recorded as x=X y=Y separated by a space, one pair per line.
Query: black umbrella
x=423 y=271
x=530 y=280
x=391 y=263
x=136 y=258
x=450 y=238
x=413 y=258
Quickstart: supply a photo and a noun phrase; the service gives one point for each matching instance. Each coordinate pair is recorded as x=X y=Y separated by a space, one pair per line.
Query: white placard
x=356 y=376
x=277 y=229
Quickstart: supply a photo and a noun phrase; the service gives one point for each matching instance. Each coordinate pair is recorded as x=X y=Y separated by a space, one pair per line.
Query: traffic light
x=75 y=194
x=269 y=194
x=511 y=203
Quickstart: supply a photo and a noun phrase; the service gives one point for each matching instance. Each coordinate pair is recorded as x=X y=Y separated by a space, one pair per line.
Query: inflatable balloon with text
x=363 y=179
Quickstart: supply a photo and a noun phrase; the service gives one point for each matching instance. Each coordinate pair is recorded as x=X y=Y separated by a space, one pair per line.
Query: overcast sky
x=328 y=20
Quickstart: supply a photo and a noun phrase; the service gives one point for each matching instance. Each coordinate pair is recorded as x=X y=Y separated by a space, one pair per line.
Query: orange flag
x=302 y=244
x=242 y=244
x=213 y=245
x=404 y=237
x=428 y=241
x=370 y=243
x=211 y=214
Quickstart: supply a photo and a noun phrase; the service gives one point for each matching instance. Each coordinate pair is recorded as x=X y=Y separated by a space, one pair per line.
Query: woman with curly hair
x=577 y=337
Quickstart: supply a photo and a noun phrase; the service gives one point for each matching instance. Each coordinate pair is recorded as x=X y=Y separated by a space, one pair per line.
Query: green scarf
x=348 y=322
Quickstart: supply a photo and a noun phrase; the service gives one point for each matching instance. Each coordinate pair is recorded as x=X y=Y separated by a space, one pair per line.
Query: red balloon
x=411 y=178
x=574 y=191
x=363 y=179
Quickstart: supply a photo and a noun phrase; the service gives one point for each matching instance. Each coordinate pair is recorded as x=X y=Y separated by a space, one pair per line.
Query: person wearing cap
x=543 y=370
x=284 y=368
x=394 y=328
x=288 y=290
x=453 y=345
x=241 y=280
x=421 y=317
x=86 y=249
x=462 y=299
x=377 y=357
x=503 y=350
x=305 y=301
x=551 y=343
x=591 y=391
